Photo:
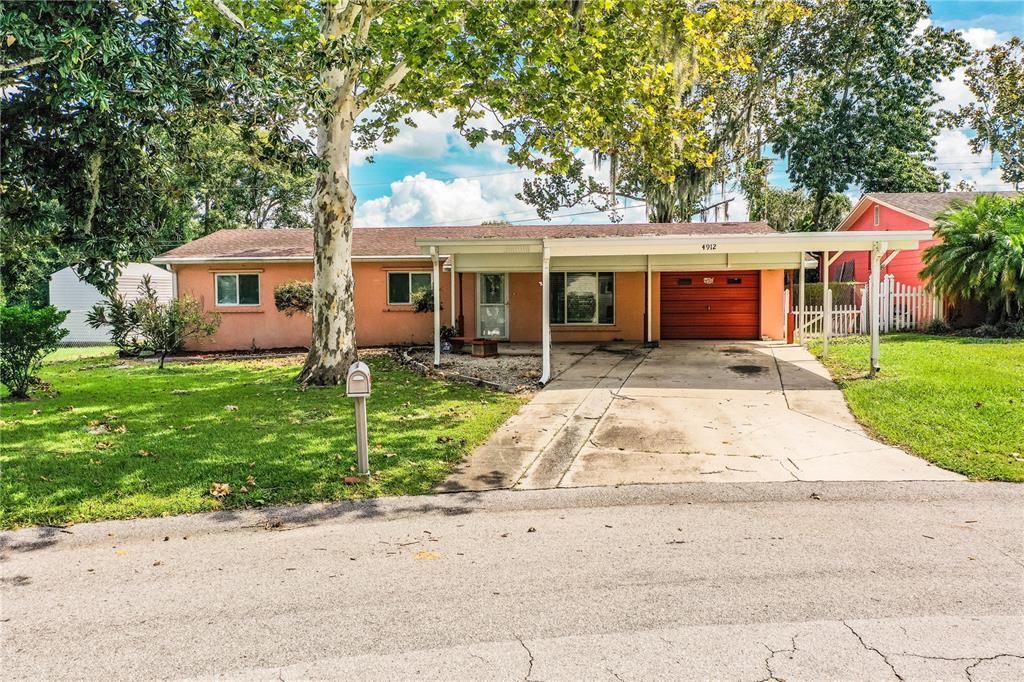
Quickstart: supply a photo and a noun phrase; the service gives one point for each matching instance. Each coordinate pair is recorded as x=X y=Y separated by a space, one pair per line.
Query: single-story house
x=69 y=292
x=638 y=282
x=895 y=211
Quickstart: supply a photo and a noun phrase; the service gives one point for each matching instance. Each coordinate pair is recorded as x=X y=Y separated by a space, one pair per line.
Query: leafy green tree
x=551 y=77
x=897 y=171
x=29 y=336
x=733 y=107
x=862 y=88
x=994 y=77
x=107 y=105
x=787 y=210
x=981 y=255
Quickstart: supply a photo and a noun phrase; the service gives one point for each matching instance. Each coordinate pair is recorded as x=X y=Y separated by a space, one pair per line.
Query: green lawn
x=957 y=402
x=80 y=353
x=122 y=440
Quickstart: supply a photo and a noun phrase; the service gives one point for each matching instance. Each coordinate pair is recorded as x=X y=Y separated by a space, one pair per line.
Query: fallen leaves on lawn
x=231 y=408
x=352 y=480
x=103 y=445
x=121 y=428
x=95 y=462
x=180 y=391
x=37 y=411
x=250 y=480
x=220 y=490
x=143 y=453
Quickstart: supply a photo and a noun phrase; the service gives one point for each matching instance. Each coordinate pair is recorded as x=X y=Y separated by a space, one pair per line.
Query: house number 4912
x=709 y=247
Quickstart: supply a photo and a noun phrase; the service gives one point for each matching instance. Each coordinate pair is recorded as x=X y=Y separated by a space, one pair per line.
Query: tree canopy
x=995 y=78
x=859 y=108
x=114 y=114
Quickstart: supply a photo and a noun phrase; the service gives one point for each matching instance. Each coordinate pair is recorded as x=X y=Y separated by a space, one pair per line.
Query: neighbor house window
x=582 y=297
x=240 y=289
x=878 y=212
x=402 y=286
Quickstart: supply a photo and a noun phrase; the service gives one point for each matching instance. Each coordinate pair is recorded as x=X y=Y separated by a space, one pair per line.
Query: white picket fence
x=901 y=308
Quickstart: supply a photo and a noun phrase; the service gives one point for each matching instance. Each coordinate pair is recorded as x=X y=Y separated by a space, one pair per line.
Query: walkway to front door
x=729 y=411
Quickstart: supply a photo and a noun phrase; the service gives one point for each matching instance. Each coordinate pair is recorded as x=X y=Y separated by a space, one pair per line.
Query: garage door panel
x=672 y=307
x=710 y=305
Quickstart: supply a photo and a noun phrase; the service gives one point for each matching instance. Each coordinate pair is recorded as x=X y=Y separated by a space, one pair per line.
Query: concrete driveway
x=712 y=411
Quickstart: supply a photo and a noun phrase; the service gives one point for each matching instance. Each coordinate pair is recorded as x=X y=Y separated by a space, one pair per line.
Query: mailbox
x=358 y=383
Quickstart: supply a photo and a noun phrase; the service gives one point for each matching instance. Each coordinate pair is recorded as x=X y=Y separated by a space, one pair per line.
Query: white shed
x=68 y=292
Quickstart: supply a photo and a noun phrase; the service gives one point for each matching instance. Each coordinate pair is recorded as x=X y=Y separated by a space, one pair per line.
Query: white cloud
x=432 y=138
x=420 y=200
x=954 y=156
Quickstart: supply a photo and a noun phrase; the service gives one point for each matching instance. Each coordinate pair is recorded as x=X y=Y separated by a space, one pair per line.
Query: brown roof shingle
x=927 y=205
x=368 y=242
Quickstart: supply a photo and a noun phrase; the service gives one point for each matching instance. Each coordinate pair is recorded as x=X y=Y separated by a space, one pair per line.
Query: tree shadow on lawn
x=283 y=444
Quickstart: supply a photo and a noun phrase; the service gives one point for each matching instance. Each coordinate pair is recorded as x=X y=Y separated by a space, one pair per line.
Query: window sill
x=230 y=309
x=574 y=326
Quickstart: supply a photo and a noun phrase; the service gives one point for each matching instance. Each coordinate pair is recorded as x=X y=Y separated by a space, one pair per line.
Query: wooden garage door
x=711 y=305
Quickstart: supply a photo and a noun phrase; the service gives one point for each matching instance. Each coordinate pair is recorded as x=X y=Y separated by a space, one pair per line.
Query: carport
x=742 y=260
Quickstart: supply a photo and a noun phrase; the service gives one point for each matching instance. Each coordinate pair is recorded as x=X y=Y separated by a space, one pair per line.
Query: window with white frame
x=238 y=289
x=403 y=286
x=582 y=297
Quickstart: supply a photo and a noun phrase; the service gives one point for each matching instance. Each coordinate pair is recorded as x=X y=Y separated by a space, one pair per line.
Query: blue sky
x=429 y=175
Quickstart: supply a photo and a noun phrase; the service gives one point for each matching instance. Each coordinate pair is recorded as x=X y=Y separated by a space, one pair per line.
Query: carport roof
x=706 y=242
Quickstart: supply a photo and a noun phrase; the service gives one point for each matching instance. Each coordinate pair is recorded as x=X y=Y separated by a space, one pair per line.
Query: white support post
x=826 y=306
x=650 y=304
x=545 y=293
x=786 y=307
x=875 y=282
x=436 y=281
x=451 y=262
x=800 y=300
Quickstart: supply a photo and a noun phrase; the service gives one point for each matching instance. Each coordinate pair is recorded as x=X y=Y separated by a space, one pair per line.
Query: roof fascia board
x=200 y=260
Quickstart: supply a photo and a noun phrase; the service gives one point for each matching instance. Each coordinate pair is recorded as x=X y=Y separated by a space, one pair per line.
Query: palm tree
x=981 y=255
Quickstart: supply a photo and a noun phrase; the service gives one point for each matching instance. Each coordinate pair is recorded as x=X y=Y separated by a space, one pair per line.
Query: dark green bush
x=294 y=297
x=28 y=335
x=937 y=327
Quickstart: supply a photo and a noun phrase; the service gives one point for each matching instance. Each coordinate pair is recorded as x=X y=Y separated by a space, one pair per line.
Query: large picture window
x=402 y=286
x=582 y=297
x=238 y=289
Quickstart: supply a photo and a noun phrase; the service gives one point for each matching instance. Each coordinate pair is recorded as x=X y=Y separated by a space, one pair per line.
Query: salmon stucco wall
x=905 y=267
x=772 y=313
x=525 y=305
x=263 y=326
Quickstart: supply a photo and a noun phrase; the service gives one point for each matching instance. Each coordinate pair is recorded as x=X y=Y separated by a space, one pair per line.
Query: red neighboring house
x=895 y=211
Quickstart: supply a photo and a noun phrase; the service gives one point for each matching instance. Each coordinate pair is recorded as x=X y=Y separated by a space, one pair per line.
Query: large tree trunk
x=334 y=324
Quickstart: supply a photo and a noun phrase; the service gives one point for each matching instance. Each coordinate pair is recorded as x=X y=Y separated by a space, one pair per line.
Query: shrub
x=937 y=327
x=986 y=331
x=448 y=332
x=118 y=313
x=165 y=327
x=28 y=336
x=294 y=297
x=423 y=301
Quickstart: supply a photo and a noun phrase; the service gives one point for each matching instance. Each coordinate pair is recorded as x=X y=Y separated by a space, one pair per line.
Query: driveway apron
x=713 y=411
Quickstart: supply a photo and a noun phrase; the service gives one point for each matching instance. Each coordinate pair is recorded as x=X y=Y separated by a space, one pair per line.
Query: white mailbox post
x=358 y=386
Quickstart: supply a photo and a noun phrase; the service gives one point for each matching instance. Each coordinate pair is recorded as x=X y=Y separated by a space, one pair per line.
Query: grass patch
x=68 y=353
x=123 y=440
x=958 y=402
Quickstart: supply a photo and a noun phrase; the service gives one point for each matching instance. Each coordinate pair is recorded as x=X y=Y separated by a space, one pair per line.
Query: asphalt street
x=786 y=581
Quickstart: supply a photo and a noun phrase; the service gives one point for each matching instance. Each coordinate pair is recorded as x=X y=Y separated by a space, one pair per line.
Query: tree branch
x=226 y=12
x=23 y=65
x=386 y=87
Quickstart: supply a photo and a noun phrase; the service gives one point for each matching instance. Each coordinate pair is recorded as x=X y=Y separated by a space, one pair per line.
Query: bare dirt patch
x=517 y=373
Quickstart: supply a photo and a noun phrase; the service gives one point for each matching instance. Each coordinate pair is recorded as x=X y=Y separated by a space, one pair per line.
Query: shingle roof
x=927 y=205
x=369 y=242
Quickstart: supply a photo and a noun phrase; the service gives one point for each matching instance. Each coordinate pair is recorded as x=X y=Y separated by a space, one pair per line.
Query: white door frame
x=480 y=298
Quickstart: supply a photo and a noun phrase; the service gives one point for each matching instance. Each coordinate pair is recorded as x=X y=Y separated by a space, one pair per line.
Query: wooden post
x=800 y=300
x=455 y=319
x=545 y=293
x=876 y=253
x=436 y=282
x=650 y=305
x=826 y=307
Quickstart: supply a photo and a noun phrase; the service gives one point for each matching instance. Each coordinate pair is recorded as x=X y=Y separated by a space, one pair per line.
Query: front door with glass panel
x=493 y=305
